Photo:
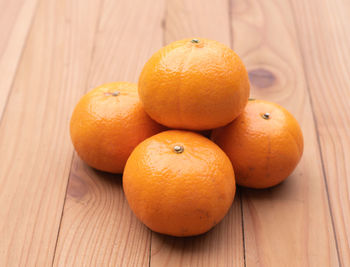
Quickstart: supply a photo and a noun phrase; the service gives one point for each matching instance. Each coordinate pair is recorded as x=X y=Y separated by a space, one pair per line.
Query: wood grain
x=324 y=36
x=289 y=225
x=15 y=20
x=53 y=51
x=206 y=19
x=35 y=150
x=98 y=227
x=222 y=246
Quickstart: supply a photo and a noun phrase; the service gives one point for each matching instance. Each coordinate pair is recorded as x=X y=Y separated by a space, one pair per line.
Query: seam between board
x=163 y=27
x=230 y=22
x=324 y=175
x=242 y=221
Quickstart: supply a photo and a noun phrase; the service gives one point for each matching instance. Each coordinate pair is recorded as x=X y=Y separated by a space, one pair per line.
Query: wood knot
x=77 y=187
x=261 y=78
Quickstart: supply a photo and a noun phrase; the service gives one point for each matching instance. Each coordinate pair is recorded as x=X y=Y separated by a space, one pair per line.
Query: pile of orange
x=176 y=180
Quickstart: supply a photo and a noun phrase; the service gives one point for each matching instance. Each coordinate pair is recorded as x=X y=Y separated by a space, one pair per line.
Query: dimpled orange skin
x=105 y=128
x=263 y=152
x=179 y=194
x=194 y=85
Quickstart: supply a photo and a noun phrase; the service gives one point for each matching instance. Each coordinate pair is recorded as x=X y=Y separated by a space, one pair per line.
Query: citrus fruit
x=107 y=124
x=194 y=84
x=179 y=183
x=264 y=144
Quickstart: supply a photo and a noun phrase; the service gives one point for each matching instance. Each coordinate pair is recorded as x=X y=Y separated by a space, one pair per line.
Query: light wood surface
x=324 y=37
x=55 y=210
x=15 y=21
x=294 y=215
x=98 y=227
x=36 y=152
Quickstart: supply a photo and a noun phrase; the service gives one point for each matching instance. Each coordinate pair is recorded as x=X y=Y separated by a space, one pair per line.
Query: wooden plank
x=222 y=246
x=35 y=150
x=324 y=34
x=98 y=227
x=289 y=225
x=186 y=19
x=15 y=20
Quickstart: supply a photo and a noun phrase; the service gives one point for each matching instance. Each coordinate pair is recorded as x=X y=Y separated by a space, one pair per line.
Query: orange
x=108 y=123
x=179 y=183
x=264 y=143
x=195 y=84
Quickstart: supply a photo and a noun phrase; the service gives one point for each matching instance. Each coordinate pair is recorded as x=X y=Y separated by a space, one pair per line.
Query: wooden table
x=56 y=210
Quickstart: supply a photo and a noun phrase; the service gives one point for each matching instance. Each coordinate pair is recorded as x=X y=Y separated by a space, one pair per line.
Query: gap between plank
x=317 y=133
x=163 y=26
x=230 y=22
x=242 y=220
x=150 y=250
x=64 y=203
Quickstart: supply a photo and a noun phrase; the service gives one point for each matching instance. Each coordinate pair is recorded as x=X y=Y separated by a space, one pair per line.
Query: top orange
x=194 y=84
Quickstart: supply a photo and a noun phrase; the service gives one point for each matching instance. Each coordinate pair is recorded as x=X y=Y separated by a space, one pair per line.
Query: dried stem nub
x=266 y=116
x=178 y=149
x=115 y=93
